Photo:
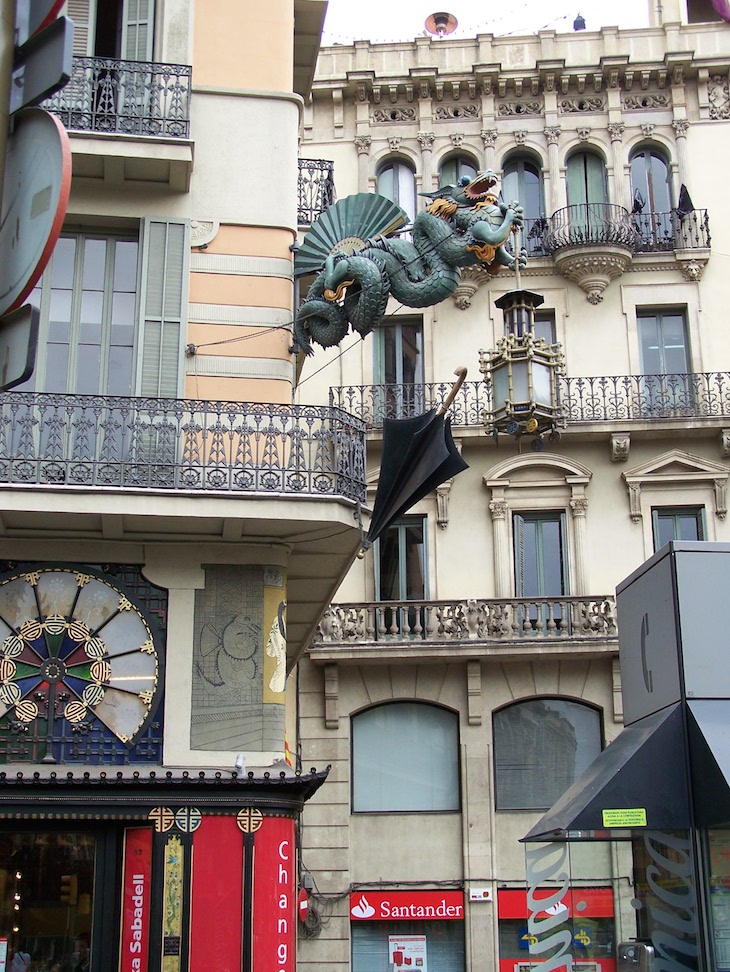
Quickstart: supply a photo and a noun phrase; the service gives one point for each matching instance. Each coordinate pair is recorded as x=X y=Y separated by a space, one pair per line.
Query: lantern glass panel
x=520 y=381
x=541 y=384
x=500 y=385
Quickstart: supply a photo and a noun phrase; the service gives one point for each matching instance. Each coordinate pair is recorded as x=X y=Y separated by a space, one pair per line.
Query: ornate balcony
x=613 y=398
x=142 y=101
x=180 y=445
x=665 y=232
x=316 y=189
x=125 y=98
x=591 y=244
x=500 y=626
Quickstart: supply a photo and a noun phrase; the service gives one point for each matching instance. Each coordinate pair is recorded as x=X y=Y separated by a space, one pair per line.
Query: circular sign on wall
x=35 y=197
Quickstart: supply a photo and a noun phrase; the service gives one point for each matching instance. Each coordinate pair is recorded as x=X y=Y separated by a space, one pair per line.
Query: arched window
x=541 y=747
x=586 y=177
x=455 y=168
x=405 y=756
x=397 y=181
x=651 y=196
x=522 y=180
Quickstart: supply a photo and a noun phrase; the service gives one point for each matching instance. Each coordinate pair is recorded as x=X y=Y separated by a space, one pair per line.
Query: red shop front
x=589 y=910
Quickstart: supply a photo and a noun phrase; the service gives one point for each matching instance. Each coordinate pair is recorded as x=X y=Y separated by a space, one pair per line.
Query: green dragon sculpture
x=463 y=225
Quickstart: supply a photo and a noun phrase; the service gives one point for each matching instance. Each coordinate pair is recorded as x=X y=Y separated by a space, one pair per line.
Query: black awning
x=644 y=768
x=709 y=743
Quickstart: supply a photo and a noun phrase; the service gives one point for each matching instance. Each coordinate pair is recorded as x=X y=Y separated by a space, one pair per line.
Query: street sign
x=18 y=345
x=43 y=64
x=33 y=15
x=35 y=196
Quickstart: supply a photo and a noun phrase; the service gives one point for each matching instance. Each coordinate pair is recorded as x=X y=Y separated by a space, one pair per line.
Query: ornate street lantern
x=523 y=373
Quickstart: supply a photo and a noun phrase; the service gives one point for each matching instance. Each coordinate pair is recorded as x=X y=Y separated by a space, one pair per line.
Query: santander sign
x=402 y=905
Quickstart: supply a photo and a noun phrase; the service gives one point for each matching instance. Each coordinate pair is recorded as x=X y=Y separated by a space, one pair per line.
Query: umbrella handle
x=461 y=375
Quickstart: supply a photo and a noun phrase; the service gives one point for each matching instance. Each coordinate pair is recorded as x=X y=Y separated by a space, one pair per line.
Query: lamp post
x=522 y=372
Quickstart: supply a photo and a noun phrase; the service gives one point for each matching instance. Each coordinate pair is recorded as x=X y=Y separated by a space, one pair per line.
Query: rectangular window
x=545 y=326
x=665 y=361
x=113 y=310
x=400 y=575
x=399 y=368
x=540 y=567
x=677 y=523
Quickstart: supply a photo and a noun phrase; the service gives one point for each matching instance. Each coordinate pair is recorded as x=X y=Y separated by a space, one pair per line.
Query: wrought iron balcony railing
x=661 y=232
x=502 y=620
x=590 y=224
x=373 y=403
x=532 y=237
x=645 y=397
x=125 y=98
x=316 y=189
x=178 y=444
x=600 y=399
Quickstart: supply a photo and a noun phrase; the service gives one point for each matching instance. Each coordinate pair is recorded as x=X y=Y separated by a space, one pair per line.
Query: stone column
x=616 y=134
x=502 y=560
x=426 y=140
x=556 y=201
x=362 y=144
x=578 y=508
x=489 y=140
x=680 y=133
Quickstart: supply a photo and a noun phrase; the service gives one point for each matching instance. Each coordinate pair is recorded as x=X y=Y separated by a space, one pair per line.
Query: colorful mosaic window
x=81 y=664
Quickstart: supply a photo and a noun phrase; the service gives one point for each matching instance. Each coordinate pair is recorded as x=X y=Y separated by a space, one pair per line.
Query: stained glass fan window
x=80 y=666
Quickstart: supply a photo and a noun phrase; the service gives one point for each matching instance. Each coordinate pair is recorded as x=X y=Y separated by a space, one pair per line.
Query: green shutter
x=137 y=30
x=163 y=306
x=596 y=179
x=82 y=13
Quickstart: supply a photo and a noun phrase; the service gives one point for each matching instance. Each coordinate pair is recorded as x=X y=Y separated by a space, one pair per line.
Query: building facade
x=172 y=526
x=467 y=671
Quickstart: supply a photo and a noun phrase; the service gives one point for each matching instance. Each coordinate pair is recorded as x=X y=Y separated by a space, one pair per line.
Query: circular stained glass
x=75 y=644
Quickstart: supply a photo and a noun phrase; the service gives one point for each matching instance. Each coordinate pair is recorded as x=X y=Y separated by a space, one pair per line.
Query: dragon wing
x=347 y=225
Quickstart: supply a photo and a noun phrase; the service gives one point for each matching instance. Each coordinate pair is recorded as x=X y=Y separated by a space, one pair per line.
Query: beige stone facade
x=459 y=614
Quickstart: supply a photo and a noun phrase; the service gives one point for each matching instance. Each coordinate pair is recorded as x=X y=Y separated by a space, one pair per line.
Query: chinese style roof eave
x=97 y=794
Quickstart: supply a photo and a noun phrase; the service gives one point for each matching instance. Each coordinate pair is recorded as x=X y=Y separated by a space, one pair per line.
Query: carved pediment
x=677 y=467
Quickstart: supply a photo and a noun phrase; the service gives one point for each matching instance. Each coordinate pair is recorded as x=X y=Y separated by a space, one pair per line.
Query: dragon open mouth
x=479 y=187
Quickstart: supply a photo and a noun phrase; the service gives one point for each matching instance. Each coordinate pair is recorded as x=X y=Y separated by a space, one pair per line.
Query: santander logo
x=363 y=909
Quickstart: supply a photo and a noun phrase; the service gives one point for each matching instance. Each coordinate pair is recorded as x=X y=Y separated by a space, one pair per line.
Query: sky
x=392 y=20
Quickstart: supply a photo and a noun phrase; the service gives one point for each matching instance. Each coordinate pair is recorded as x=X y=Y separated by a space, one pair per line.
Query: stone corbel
x=331 y=696
x=620 y=445
x=720 y=486
x=474 y=692
x=442 y=503
x=725 y=442
x=470 y=281
x=691 y=266
x=635 y=502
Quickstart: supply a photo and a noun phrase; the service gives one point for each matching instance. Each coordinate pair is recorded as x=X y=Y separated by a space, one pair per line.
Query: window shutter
x=596 y=179
x=519 y=542
x=81 y=13
x=163 y=306
x=137 y=30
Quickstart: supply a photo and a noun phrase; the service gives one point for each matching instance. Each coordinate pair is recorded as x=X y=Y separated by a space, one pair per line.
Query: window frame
x=674 y=512
x=459 y=162
x=397 y=165
x=420 y=704
x=401 y=525
x=588 y=706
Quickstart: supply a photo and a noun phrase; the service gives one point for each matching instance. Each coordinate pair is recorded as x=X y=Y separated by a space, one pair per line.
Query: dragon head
x=468 y=192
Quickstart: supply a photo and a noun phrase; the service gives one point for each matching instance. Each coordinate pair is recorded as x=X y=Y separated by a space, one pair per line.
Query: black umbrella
x=418 y=455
